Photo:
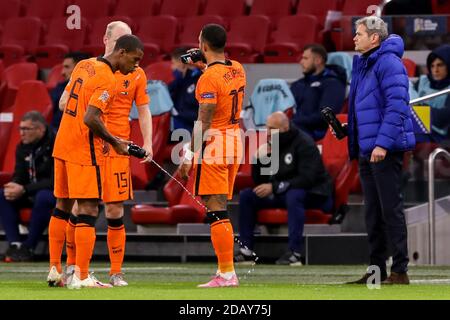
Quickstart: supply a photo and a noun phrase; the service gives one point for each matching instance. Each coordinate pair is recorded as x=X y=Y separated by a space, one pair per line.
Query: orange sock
x=84 y=242
x=116 y=244
x=223 y=242
x=56 y=237
x=70 y=241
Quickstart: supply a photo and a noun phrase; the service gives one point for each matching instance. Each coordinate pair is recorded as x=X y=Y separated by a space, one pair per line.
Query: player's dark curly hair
x=215 y=36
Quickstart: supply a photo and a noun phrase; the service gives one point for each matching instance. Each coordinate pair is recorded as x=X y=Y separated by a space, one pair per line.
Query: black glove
x=136 y=151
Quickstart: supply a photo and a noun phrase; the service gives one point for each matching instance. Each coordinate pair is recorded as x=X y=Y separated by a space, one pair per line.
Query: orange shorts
x=76 y=181
x=117 y=186
x=215 y=178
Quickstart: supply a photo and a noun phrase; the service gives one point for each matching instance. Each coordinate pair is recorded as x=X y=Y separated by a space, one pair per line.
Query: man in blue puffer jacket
x=379 y=132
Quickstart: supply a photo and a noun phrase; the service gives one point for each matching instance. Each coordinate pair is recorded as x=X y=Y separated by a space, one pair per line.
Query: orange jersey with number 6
x=92 y=83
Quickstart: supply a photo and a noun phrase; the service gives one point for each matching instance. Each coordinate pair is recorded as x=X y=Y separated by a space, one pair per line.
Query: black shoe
x=364 y=278
x=12 y=253
x=397 y=278
x=339 y=215
x=25 y=254
x=290 y=258
x=241 y=258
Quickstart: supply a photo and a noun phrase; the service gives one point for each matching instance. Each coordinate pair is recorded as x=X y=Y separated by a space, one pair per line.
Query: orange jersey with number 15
x=92 y=83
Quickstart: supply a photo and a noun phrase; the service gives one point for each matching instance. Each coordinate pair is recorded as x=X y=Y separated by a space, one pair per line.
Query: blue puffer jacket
x=379 y=114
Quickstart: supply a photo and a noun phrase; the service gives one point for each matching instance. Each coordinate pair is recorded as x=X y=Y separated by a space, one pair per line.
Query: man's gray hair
x=34 y=116
x=373 y=25
x=115 y=24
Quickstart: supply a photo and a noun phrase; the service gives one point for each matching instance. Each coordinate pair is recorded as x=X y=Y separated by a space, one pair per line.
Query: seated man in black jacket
x=31 y=187
x=300 y=183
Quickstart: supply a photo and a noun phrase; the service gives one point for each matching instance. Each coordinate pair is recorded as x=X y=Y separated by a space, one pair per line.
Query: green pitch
x=177 y=281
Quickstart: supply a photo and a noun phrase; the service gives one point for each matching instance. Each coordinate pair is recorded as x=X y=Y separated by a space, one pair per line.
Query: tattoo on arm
x=203 y=123
x=92 y=121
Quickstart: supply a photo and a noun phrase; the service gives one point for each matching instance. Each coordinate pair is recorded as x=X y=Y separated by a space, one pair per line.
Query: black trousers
x=385 y=217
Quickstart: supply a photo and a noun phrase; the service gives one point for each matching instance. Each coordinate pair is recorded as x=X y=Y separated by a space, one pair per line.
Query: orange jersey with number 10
x=223 y=84
x=92 y=83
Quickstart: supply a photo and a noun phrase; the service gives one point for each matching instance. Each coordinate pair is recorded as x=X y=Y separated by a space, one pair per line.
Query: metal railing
x=431 y=159
x=431 y=217
x=430 y=96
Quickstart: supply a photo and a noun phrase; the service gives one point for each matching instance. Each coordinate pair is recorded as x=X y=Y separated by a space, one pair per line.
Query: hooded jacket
x=379 y=114
x=314 y=92
x=34 y=164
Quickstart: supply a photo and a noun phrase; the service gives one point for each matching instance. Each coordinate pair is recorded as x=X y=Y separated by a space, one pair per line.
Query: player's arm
x=145 y=123
x=63 y=100
x=203 y=123
x=93 y=122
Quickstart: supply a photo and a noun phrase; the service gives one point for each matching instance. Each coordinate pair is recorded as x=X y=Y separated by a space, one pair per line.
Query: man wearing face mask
x=322 y=86
x=300 y=183
x=182 y=92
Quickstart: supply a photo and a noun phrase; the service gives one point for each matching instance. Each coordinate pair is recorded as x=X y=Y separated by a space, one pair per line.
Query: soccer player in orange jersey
x=117 y=183
x=220 y=93
x=80 y=147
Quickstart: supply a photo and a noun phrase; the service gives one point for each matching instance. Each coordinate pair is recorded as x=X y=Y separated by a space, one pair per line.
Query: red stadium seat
x=138 y=170
x=192 y=27
x=319 y=9
x=13 y=76
x=247 y=37
x=142 y=174
x=92 y=10
x=20 y=37
x=342 y=35
x=5 y=132
x=228 y=10
x=410 y=66
x=9 y=9
x=161 y=131
x=292 y=34
x=358 y=7
x=342 y=171
x=96 y=47
x=158 y=36
x=46 y=10
x=32 y=95
x=137 y=9
x=275 y=10
x=54 y=77
x=60 y=40
x=160 y=71
x=180 y=8
x=182 y=208
x=440 y=7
